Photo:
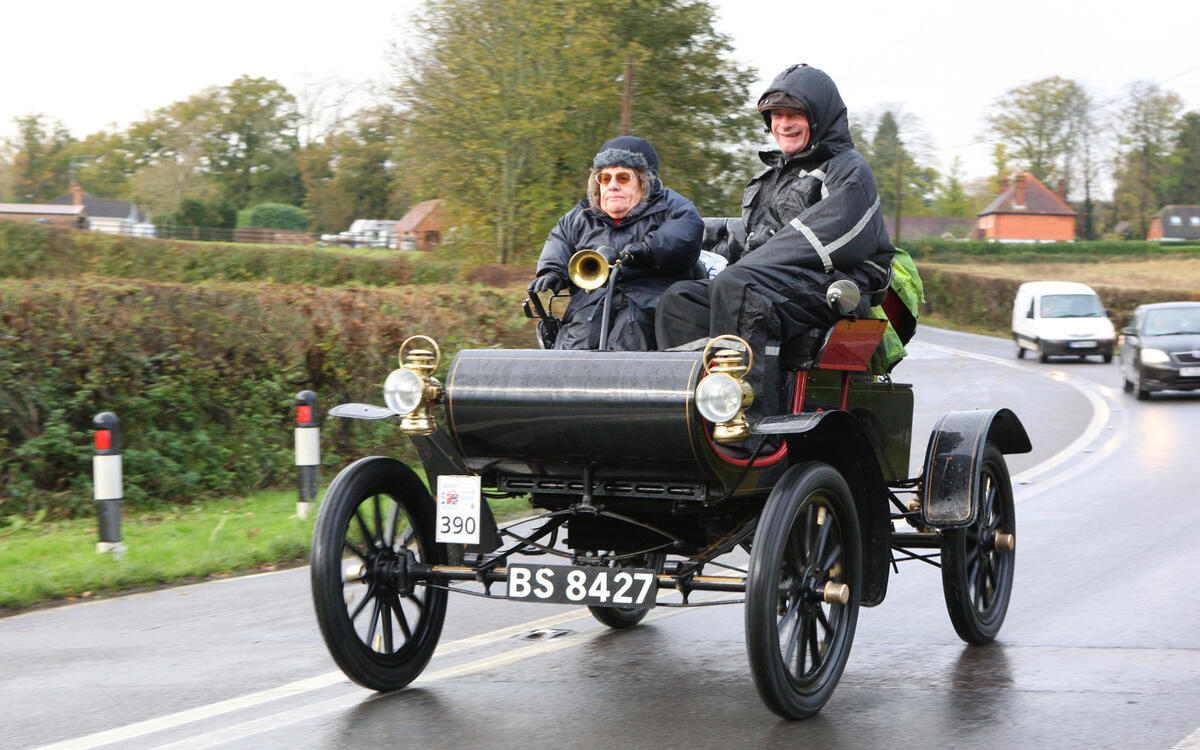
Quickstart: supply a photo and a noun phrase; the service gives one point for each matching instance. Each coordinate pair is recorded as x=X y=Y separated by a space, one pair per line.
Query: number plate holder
x=594 y=586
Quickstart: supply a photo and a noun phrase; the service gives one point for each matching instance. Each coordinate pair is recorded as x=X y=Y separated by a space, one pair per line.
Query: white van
x=1061 y=318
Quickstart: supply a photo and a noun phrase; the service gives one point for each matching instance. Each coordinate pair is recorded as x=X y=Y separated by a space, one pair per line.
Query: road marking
x=291 y=716
x=1101 y=414
x=310 y=684
x=1191 y=742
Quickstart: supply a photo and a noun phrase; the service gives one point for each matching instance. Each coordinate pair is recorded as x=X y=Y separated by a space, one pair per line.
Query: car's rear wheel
x=802 y=590
x=978 y=561
x=626 y=617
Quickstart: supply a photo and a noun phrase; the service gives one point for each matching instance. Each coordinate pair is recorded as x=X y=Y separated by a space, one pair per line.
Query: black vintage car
x=1160 y=348
x=645 y=474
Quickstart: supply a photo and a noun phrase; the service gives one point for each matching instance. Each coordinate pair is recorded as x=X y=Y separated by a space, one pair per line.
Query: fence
x=252 y=234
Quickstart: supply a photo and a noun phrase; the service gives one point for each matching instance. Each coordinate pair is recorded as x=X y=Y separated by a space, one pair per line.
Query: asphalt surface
x=1100 y=648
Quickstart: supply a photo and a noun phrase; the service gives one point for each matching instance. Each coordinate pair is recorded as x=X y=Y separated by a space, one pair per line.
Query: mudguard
x=838 y=438
x=953 y=462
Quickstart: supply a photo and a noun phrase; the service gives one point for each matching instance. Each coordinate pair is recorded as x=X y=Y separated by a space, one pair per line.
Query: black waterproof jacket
x=670 y=226
x=818 y=209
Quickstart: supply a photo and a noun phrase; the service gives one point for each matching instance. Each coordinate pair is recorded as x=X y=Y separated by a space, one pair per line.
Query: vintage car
x=646 y=475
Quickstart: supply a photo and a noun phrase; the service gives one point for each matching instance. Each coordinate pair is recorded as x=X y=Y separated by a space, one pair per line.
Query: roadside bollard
x=308 y=450
x=107 y=482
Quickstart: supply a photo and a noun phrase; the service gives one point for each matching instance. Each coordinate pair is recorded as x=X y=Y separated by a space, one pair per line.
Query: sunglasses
x=622 y=178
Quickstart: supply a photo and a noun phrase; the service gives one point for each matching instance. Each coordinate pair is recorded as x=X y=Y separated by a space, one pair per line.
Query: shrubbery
x=30 y=251
x=203 y=378
x=275 y=216
x=955 y=251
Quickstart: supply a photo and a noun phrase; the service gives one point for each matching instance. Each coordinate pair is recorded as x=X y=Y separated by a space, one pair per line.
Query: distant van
x=1061 y=318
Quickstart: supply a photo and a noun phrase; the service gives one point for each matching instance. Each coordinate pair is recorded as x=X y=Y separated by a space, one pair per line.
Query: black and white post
x=308 y=450
x=107 y=482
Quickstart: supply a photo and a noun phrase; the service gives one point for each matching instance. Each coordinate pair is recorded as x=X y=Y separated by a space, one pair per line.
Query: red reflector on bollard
x=304 y=414
x=103 y=440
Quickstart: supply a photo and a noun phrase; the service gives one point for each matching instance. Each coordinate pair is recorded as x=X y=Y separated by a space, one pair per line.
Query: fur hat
x=627 y=151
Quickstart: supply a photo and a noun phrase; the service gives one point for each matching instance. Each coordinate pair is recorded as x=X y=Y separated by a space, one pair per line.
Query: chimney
x=1002 y=183
x=1019 y=202
x=76 y=194
x=1062 y=189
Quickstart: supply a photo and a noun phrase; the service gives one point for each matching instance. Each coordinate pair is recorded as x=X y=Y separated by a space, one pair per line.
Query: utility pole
x=627 y=106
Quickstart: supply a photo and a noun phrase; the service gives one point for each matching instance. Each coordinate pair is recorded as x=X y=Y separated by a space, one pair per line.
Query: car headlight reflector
x=718 y=397
x=1154 y=357
x=403 y=391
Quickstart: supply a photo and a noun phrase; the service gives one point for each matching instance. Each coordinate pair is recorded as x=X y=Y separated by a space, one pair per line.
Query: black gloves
x=548 y=280
x=637 y=255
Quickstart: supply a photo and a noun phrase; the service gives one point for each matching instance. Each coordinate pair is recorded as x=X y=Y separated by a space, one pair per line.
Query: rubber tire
x=1020 y=352
x=626 y=617
x=977 y=616
x=1107 y=357
x=1136 y=386
x=792 y=502
x=366 y=481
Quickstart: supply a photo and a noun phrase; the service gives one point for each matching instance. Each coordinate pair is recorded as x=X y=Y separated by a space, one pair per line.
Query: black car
x=1160 y=349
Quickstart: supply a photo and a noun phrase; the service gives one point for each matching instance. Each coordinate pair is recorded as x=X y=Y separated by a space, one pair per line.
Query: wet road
x=1100 y=649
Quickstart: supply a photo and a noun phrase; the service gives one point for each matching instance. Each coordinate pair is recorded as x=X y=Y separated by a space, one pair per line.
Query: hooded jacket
x=817 y=209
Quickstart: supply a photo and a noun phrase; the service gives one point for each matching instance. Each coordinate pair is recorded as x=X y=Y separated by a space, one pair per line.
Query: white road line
x=310 y=684
x=303 y=713
x=1101 y=415
x=1191 y=742
x=307 y=713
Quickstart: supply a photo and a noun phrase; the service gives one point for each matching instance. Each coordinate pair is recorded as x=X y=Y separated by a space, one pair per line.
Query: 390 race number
x=594 y=586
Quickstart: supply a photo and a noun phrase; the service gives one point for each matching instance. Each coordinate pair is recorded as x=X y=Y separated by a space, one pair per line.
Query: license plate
x=1189 y=372
x=1082 y=344
x=594 y=586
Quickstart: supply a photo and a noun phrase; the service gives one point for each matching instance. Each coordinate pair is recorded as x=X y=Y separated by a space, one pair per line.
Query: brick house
x=421 y=228
x=1026 y=211
x=1175 y=223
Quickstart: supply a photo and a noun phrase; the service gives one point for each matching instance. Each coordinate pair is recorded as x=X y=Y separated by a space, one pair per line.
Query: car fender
x=953 y=462
x=838 y=438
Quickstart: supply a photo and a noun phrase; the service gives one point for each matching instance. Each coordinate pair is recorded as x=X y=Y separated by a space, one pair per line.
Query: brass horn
x=588 y=270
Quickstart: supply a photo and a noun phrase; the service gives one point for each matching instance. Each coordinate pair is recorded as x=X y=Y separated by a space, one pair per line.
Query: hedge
x=29 y=251
x=986 y=302
x=203 y=378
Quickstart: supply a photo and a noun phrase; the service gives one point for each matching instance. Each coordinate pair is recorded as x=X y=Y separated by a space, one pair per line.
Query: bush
x=31 y=251
x=958 y=251
x=275 y=216
x=203 y=379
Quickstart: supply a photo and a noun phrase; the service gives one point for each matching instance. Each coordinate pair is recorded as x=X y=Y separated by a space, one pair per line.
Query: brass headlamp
x=412 y=390
x=722 y=395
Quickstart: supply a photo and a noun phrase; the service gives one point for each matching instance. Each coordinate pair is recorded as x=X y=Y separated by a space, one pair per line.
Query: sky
x=942 y=63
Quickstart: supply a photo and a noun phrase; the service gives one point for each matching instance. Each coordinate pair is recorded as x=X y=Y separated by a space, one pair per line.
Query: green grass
x=51 y=562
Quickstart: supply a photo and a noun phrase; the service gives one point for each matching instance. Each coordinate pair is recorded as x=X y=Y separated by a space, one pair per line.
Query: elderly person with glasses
x=628 y=215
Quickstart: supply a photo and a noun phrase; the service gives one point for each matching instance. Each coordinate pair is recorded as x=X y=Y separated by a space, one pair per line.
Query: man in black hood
x=811 y=217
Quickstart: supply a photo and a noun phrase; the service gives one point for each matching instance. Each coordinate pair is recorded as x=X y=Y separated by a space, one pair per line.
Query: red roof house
x=1026 y=211
x=421 y=228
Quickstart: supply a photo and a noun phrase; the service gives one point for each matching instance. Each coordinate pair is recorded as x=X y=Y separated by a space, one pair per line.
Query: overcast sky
x=92 y=65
